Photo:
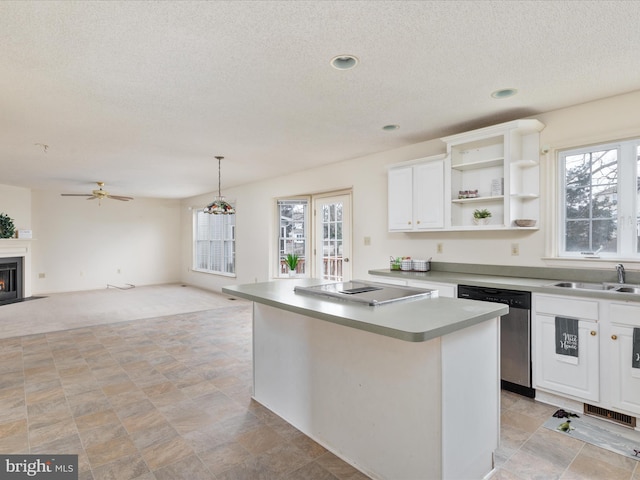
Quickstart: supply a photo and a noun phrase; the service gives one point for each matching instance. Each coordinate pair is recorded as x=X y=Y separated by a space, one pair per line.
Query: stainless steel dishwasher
x=515 y=335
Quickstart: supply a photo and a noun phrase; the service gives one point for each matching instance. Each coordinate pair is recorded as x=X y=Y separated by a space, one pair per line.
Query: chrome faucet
x=621 y=273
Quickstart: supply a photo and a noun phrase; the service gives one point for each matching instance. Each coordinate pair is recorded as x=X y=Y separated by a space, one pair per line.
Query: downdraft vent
x=620 y=418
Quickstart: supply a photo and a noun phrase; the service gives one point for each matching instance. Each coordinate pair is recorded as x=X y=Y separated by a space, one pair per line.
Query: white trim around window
x=594 y=203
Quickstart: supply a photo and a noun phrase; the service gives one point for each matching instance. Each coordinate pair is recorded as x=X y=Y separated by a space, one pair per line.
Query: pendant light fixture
x=219 y=206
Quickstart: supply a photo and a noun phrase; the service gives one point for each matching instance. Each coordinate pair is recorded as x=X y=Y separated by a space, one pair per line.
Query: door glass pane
x=332 y=241
x=293 y=233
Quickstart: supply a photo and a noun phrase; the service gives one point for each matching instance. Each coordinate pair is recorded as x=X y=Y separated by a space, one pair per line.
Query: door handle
x=346 y=260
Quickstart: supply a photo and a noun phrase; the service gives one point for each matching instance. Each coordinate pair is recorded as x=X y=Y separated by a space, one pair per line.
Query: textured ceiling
x=142 y=95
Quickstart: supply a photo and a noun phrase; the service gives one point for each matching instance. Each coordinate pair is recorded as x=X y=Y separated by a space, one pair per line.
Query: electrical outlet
x=81 y=273
x=515 y=249
x=367 y=240
x=119 y=271
x=439 y=248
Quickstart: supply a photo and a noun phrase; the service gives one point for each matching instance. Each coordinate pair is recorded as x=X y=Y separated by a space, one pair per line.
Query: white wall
x=16 y=203
x=606 y=119
x=80 y=245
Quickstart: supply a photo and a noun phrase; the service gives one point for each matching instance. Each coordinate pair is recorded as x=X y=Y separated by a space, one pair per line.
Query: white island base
x=393 y=409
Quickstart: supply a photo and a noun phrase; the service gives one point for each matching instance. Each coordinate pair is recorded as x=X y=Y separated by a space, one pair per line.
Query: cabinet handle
x=614 y=337
x=593 y=333
x=418 y=222
x=409 y=222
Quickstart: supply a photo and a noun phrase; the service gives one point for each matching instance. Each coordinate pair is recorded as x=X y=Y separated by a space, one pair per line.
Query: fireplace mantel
x=15 y=247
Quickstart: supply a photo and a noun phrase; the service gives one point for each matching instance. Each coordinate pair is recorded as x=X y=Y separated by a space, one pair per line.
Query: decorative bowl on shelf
x=523 y=222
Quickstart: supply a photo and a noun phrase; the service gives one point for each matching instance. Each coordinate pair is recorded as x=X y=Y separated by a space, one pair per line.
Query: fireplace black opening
x=11 y=280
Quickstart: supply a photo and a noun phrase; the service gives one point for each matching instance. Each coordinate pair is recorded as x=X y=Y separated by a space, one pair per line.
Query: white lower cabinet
x=624 y=381
x=602 y=374
x=578 y=377
x=575 y=376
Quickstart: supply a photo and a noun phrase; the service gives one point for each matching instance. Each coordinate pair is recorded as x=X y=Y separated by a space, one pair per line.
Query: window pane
x=577 y=236
x=215 y=243
x=591 y=195
x=604 y=235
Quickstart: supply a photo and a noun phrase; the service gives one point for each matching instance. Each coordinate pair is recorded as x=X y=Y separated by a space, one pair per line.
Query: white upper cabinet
x=416 y=195
x=494 y=168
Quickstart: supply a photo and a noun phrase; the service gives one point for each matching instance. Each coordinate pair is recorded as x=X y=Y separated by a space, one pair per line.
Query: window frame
x=628 y=169
x=229 y=235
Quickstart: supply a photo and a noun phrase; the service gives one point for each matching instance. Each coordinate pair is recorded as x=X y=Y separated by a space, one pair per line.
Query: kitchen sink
x=581 y=285
x=626 y=289
x=608 y=287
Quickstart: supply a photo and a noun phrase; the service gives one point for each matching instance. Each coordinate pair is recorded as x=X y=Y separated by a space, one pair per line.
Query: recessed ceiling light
x=391 y=127
x=344 y=62
x=504 y=93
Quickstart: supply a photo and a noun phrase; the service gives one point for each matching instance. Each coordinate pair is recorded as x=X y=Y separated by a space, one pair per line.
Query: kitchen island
x=406 y=390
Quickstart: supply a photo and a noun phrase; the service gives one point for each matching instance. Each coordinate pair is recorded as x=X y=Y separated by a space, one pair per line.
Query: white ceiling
x=143 y=95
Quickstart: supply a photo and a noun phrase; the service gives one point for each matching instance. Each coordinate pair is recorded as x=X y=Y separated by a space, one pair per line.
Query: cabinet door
x=428 y=195
x=400 y=201
x=575 y=376
x=625 y=381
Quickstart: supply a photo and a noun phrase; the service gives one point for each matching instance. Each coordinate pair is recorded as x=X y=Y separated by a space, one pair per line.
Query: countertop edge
x=534 y=285
x=490 y=311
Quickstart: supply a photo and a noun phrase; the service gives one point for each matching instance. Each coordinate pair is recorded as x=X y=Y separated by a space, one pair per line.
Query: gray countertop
x=538 y=285
x=415 y=320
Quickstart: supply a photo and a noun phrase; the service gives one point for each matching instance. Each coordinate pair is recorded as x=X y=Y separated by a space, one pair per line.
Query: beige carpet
x=64 y=311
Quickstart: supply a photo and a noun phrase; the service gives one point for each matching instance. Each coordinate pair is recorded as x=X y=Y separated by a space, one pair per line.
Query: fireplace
x=11 y=289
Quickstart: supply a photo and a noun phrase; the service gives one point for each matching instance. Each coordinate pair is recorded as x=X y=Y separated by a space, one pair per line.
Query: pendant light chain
x=219 y=176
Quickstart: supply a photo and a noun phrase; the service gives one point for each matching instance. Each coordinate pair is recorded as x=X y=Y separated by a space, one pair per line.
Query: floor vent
x=619 y=418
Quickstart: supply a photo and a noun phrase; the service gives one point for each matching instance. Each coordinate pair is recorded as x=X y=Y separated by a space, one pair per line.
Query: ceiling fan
x=99 y=194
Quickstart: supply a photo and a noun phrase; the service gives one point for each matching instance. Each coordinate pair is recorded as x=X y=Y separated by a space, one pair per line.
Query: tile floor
x=169 y=398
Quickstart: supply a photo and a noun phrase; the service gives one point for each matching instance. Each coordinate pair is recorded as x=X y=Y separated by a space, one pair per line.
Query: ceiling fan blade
x=91 y=197
x=76 y=195
x=120 y=197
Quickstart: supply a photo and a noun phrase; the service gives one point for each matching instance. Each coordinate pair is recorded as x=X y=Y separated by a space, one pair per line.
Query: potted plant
x=7 y=229
x=481 y=216
x=292 y=262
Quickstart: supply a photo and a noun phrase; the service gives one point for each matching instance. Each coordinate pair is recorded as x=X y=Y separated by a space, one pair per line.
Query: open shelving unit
x=500 y=163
